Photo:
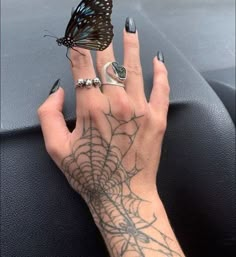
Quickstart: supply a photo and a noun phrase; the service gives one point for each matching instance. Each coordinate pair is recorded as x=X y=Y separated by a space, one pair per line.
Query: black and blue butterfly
x=89 y=26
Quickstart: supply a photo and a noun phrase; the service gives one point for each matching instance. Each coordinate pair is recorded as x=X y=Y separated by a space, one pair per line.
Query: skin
x=112 y=156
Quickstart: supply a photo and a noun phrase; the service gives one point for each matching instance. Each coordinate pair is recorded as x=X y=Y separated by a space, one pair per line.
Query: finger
x=83 y=68
x=103 y=58
x=159 y=99
x=55 y=131
x=134 y=82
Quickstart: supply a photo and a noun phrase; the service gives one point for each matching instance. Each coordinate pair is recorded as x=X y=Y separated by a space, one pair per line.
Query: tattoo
x=96 y=170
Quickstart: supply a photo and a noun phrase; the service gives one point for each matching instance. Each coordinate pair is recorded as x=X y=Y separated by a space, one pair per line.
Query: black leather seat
x=223 y=83
x=40 y=213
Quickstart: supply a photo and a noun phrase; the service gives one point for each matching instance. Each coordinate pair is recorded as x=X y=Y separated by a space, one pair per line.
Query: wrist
x=110 y=208
x=133 y=220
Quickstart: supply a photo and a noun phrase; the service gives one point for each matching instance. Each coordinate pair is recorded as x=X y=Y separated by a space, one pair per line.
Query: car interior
x=40 y=214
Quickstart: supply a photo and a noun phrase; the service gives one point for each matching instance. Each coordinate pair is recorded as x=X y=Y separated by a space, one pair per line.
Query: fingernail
x=130 y=25
x=160 y=56
x=55 y=87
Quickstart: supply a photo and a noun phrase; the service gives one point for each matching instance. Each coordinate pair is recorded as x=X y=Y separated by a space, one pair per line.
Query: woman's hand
x=112 y=156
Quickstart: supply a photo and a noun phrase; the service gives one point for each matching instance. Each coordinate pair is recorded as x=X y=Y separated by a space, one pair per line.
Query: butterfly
x=89 y=26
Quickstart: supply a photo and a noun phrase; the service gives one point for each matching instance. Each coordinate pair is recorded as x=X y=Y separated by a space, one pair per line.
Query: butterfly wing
x=90 y=25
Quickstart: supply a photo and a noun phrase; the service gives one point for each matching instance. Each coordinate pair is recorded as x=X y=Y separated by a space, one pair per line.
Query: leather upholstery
x=223 y=83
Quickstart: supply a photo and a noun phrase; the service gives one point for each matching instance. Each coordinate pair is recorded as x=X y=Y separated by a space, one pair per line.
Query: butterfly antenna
x=77 y=51
x=68 y=57
x=50 y=35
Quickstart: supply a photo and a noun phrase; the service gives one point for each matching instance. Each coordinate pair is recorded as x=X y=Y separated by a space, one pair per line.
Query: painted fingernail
x=130 y=25
x=160 y=56
x=55 y=87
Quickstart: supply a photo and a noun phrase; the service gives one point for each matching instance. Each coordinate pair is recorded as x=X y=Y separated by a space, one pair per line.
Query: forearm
x=132 y=226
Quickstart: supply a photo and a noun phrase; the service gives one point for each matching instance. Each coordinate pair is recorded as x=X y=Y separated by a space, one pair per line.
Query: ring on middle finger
x=87 y=83
x=114 y=74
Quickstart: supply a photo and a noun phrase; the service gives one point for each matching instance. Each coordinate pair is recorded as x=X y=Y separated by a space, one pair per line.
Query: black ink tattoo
x=96 y=170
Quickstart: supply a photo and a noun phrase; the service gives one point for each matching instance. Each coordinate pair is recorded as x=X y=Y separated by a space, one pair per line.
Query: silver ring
x=114 y=74
x=88 y=83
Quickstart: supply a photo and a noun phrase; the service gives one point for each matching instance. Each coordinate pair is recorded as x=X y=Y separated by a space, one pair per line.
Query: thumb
x=55 y=131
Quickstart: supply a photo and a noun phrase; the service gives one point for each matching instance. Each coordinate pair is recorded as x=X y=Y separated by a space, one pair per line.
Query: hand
x=111 y=158
x=126 y=124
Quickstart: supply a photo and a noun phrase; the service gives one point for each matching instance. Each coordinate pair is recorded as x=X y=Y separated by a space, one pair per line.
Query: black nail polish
x=130 y=25
x=160 y=56
x=55 y=87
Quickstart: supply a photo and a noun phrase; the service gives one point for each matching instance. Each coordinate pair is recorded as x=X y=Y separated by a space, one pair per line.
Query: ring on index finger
x=114 y=74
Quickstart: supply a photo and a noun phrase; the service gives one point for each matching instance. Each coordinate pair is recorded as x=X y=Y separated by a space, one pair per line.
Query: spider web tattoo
x=96 y=170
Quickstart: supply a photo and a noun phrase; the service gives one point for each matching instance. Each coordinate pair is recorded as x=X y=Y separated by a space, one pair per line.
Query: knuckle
x=94 y=112
x=94 y=106
x=122 y=107
x=104 y=59
x=52 y=149
x=166 y=106
x=161 y=124
x=81 y=61
x=95 y=109
x=100 y=63
x=134 y=68
x=123 y=103
x=42 y=110
x=161 y=70
x=143 y=110
x=166 y=88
